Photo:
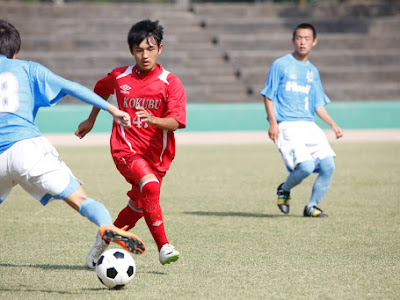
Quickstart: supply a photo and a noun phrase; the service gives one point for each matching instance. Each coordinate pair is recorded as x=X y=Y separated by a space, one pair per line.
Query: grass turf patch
x=219 y=205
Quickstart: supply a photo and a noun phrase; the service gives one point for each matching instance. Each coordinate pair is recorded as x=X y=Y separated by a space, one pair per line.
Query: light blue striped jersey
x=295 y=88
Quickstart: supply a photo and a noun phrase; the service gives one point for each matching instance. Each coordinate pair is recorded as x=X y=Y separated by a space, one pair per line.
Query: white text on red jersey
x=145 y=103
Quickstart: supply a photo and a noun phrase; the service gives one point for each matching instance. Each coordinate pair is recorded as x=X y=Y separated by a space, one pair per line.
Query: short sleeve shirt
x=162 y=94
x=295 y=88
x=25 y=86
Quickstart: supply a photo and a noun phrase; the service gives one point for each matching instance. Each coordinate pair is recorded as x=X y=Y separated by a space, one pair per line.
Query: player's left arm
x=323 y=114
x=168 y=123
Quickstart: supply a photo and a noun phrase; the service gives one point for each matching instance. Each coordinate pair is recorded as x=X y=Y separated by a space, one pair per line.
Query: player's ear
x=160 y=49
x=315 y=42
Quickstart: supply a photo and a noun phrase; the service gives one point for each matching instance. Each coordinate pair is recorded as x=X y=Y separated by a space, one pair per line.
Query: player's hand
x=84 y=128
x=144 y=115
x=338 y=131
x=273 y=132
x=120 y=117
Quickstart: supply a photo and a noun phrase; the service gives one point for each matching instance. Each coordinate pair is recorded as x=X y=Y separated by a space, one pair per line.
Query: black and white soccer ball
x=115 y=268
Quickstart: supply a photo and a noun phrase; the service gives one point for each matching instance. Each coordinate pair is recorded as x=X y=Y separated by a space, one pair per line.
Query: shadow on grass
x=236 y=214
x=47 y=267
x=21 y=290
x=64 y=267
x=26 y=289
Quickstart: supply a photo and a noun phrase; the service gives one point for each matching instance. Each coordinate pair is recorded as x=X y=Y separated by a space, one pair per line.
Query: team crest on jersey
x=309 y=76
x=125 y=89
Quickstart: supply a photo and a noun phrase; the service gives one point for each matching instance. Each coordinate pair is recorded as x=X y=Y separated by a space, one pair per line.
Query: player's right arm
x=273 y=130
x=269 y=92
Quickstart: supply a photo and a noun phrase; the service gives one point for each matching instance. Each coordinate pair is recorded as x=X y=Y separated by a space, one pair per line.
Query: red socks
x=150 y=200
x=152 y=211
x=128 y=216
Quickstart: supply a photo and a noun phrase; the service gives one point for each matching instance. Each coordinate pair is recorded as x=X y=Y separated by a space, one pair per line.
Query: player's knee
x=150 y=195
x=306 y=167
x=76 y=198
x=327 y=165
x=150 y=187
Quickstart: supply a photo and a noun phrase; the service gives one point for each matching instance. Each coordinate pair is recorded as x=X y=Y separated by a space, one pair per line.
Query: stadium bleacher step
x=221 y=52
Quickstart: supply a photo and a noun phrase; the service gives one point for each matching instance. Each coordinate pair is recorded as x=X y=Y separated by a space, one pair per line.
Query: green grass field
x=219 y=205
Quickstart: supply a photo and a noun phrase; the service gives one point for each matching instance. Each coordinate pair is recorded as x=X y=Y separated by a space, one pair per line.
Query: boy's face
x=146 y=54
x=303 y=41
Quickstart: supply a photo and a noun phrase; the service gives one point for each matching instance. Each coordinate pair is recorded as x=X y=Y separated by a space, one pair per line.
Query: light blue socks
x=321 y=184
x=323 y=181
x=302 y=170
x=95 y=212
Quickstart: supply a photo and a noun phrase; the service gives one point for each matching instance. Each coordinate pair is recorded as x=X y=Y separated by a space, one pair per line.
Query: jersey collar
x=147 y=75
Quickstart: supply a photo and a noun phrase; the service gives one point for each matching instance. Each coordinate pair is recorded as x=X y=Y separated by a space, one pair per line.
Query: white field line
x=233 y=138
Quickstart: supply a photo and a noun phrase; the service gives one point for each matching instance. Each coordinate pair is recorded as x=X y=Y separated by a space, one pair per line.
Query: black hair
x=10 y=40
x=145 y=30
x=305 y=26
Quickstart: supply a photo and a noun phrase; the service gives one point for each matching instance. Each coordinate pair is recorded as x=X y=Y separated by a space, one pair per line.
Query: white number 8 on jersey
x=9 y=99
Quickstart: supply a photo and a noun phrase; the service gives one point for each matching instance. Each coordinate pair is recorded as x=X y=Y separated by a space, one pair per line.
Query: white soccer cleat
x=168 y=254
x=98 y=248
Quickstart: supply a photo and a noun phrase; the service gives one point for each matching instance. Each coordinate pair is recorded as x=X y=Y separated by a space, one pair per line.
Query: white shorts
x=299 y=141
x=35 y=165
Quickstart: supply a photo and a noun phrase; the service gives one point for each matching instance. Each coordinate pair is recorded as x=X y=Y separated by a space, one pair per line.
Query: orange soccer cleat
x=127 y=240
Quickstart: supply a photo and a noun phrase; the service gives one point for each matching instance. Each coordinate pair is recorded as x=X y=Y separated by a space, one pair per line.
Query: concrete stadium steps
x=322 y=59
x=110 y=41
x=354 y=91
x=373 y=76
x=68 y=26
x=112 y=59
x=361 y=39
x=87 y=67
x=339 y=74
x=261 y=25
x=326 y=9
x=83 y=42
x=209 y=45
x=107 y=12
x=328 y=41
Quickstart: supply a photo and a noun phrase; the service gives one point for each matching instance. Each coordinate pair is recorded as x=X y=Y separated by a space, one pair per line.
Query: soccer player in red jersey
x=156 y=101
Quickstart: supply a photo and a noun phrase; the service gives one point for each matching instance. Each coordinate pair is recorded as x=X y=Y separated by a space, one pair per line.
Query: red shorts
x=134 y=168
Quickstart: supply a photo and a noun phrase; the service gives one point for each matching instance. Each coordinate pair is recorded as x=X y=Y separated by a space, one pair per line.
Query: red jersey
x=162 y=95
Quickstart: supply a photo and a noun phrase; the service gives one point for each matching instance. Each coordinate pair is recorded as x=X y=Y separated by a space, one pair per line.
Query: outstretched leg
x=98 y=214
